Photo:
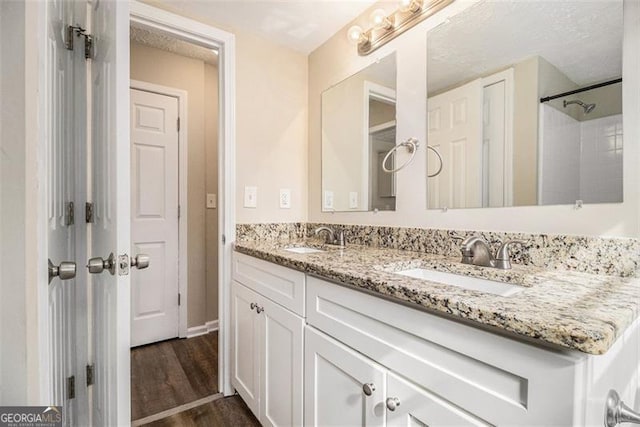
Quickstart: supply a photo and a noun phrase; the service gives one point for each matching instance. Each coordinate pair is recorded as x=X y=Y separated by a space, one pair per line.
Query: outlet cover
x=250 y=197
x=211 y=201
x=353 y=200
x=328 y=200
x=285 y=198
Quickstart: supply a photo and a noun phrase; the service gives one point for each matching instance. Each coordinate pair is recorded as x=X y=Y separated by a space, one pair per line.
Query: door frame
x=508 y=77
x=196 y=32
x=183 y=165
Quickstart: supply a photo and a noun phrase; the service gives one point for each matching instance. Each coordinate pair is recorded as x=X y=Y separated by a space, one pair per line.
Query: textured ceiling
x=582 y=38
x=162 y=41
x=302 y=25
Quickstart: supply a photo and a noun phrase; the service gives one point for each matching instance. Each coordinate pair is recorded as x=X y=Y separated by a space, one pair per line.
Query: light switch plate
x=250 y=197
x=285 y=198
x=328 y=200
x=353 y=200
x=211 y=201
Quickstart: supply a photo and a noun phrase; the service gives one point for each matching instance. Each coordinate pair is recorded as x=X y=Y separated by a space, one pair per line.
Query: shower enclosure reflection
x=581 y=146
x=522 y=116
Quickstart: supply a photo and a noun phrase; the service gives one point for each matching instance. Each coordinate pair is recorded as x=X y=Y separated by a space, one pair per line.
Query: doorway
x=174 y=217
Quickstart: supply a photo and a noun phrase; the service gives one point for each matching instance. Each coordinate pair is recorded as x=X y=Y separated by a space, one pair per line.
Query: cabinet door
x=281 y=369
x=411 y=406
x=245 y=346
x=335 y=377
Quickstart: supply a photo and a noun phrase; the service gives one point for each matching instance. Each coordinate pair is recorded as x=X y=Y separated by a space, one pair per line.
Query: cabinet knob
x=393 y=403
x=368 y=389
x=259 y=309
x=615 y=411
x=253 y=305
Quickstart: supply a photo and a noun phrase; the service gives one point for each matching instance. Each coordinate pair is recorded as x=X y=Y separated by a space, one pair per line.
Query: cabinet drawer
x=280 y=284
x=498 y=380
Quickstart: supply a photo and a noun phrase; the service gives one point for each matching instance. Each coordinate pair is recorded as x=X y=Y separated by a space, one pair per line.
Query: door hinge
x=70 y=218
x=224 y=239
x=178 y=126
x=90 y=371
x=71 y=387
x=179 y=298
x=178 y=211
x=88 y=213
x=78 y=31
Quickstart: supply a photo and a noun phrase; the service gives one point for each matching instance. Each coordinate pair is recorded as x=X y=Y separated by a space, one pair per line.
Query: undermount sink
x=303 y=250
x=466 y=282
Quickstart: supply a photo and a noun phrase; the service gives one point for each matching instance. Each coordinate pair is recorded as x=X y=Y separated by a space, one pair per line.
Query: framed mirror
x=358 y=130
x=525 y=104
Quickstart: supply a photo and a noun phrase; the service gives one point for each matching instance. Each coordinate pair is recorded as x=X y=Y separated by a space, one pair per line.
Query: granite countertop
x=574 y=310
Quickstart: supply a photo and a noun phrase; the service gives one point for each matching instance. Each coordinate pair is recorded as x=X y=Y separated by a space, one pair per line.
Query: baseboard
x=210 y=326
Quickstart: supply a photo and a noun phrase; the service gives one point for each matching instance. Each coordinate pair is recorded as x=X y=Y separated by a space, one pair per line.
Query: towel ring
x=412 y=145
x=439 y=158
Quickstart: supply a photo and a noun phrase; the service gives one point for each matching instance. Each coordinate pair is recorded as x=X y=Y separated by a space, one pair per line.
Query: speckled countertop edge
x=573 y=310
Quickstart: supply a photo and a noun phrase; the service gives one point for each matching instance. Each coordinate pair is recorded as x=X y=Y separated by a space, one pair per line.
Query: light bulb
x=379 y=19
x=410 y=5
x=354 y=34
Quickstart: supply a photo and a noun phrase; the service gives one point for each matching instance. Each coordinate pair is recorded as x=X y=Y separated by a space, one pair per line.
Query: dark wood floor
x=224 y=412
x=171 y=373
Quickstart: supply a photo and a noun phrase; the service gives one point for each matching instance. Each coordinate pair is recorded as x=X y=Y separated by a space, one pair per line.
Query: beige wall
x=380 y=112
x=343 y=143
x=271 y=129
x=336 y=59
x=525 y=132
x=167 y=69
x=13 y=302
x=271 y=124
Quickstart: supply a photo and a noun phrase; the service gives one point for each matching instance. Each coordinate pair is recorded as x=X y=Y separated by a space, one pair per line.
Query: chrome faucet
x=503 y=260
x=476 y=251
x=331 y=238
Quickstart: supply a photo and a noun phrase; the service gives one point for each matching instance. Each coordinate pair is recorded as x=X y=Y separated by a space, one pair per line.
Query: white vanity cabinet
x=436 y=371
x=306 y=351
x=267 y=340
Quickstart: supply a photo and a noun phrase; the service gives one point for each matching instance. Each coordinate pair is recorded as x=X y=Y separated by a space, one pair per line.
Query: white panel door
x=411 y=406
x=154 y=216
x=493 y=145
x=110 y=193
x=335 y=381
x=65 y=137
x=245 y=345
x=455 y=130
x=281 y=370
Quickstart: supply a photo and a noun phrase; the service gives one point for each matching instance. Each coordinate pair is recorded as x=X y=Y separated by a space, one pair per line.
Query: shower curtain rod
x=584 y=89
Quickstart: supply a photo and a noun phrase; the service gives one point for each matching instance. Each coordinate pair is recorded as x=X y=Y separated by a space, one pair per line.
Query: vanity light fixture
x=385 y=28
